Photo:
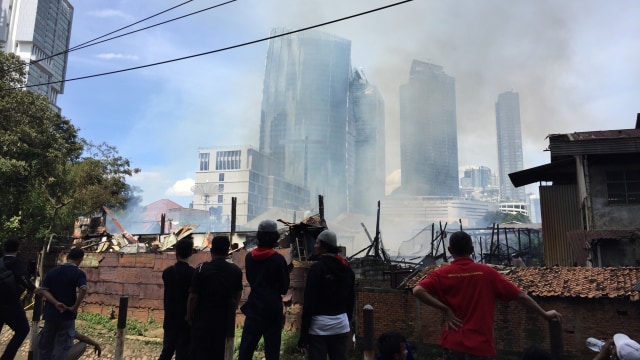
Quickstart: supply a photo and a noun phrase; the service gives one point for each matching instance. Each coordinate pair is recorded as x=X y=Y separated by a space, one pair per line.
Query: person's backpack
x=8 y=284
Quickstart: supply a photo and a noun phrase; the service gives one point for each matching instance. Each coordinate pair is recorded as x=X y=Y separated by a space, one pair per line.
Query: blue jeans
x=255 y=328
x=56 y=339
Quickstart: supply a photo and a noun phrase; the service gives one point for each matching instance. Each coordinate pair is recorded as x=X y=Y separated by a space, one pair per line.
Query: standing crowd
x=200 y=305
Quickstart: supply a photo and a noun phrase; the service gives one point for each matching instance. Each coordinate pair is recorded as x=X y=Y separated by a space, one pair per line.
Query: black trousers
x=334 y=346
x=176 y=340
x=14 y=316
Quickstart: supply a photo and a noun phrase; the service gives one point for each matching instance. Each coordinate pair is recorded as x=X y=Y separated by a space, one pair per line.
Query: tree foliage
x=500 y=218
x=48 y=174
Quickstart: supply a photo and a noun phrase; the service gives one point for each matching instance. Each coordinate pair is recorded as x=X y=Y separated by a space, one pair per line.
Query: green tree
x=500 y=218
x=98 y=178
x=37 y=145
x=48 y=174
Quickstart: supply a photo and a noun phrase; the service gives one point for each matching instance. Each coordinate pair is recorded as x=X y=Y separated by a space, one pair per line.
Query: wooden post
x=368 y=348
x=35 y=320
x=555 y=339
x=234 y=205
x=122 y=326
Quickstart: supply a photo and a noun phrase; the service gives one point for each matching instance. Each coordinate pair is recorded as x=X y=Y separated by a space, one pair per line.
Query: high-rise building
x=303 y=125
x=479 y=183
x=509 y=145
x=38 y=31
x=367 y=129
x=241 y=172
x=428 y=132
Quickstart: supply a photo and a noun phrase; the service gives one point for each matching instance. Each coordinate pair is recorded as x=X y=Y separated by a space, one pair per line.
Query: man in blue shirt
x=64 y=287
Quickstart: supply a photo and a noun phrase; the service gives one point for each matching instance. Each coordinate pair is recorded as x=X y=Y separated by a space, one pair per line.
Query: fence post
x=368 y=342
x=122 y=326
x=555 y=339
x=35 y=320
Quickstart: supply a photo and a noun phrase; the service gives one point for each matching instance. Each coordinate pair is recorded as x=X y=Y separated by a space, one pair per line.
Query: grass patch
x=134 y=327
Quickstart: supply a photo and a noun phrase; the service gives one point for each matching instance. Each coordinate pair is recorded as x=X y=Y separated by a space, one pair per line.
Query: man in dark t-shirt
x=11 y=311
x=64 y=287
x=268 y=276
x=213 y=299
x=177 y=280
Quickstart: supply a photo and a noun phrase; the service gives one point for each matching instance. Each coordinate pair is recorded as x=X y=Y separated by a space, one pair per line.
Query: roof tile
x=579 y=282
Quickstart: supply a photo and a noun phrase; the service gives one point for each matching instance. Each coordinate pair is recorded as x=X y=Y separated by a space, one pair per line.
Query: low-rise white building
x=241 y=172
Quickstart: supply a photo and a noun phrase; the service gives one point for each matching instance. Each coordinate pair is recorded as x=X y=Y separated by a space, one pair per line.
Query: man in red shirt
x=466 y=293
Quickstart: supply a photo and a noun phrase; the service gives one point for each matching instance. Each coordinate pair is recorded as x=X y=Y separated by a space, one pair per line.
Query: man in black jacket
x=177 y=280
x=11 y=310
x=268 y=276
x=329 y=298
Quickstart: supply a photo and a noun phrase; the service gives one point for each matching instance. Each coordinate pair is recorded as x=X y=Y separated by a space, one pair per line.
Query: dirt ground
x=146 y=347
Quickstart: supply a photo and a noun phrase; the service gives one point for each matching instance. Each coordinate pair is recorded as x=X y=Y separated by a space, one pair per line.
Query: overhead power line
x=95 y=41
x=150 y=26
x=128 y=26
x=222 y=49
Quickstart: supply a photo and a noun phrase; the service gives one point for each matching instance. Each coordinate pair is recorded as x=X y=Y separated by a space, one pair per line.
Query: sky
x=574 y=63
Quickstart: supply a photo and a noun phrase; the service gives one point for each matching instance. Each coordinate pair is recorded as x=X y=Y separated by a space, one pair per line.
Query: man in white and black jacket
x=329 y=298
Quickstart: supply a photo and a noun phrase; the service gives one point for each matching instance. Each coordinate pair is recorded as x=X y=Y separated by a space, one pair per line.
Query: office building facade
x=509 y=136
x=241 y=172
x=303 y=125
x=38 y=31
x=367 y=132
x=428 y=132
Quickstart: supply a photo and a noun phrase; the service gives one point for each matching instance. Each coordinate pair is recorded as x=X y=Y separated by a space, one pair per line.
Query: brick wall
x=516 y=327
x=139 y=276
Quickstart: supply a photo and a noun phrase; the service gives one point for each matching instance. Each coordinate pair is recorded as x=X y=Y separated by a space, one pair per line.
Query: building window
x=204 y=161
x=623 y=187
x=220 y=187
x=220 y=199
x=228 y=160
x=221 y=177
x=205 y=199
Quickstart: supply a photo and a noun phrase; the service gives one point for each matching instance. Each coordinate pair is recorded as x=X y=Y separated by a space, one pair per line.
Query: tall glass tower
x=509 y=145
x=367 y=128
x=35 y=30
x=303 y=124
x=428 y=132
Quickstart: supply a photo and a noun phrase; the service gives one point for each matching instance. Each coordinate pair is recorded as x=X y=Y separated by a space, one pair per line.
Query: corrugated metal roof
x=563 y=171
x=600 y=134
x=577 y=282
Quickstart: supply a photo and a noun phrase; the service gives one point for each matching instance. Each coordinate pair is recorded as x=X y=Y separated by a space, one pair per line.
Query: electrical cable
x=150 y=26
x=89 y=43
x=220 y=49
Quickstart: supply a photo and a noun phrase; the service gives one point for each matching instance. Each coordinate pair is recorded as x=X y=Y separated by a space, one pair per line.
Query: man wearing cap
x=620 y=347
x=466 y=293
x=329 y=297
x=268 y=276
x=213 y=299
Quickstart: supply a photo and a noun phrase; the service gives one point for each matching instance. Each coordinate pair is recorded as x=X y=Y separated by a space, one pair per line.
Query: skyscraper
x=36 y=30
x=303 y=125
x=368 y=131
x=509 y=144
x=428 y=132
